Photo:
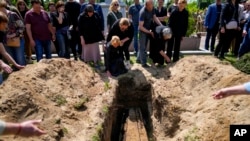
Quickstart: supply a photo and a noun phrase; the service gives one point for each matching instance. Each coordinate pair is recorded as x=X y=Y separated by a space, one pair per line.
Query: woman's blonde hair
x=112 y=5
x=115 y=40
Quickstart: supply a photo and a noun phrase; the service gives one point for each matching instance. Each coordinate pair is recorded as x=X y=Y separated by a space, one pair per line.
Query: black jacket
x=227 y=14
x=178 y=22
x=90 y=28
x=112 y=55
x=115 y=30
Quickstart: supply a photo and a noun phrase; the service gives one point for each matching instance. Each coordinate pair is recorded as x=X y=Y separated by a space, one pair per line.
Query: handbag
x=231 y=25
x=13 y=42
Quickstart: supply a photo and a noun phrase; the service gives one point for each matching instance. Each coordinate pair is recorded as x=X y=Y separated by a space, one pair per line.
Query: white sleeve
x=2 y=127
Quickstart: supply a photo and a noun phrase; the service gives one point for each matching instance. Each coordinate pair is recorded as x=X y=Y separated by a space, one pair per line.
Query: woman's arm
x=8 y=57
x=5 y=67
x=25 y=129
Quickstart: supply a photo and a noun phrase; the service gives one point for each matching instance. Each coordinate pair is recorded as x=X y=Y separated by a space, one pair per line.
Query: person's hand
x=222 y=30
x=103 y=46
x=6 y=67
x=244 y=33
x=220 y=94
x=152 y=34
x=53 y=37
x=82 y=42
x=122 y=43
x=32 y=43
x=29 y=128
x=19 y=66
x=109 y=74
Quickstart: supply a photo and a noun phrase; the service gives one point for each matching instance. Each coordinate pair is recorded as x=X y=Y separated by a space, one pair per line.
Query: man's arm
x=235 y=90
x=156 y=20
x=52 y=31
x=208 y=15
x=130 y=13
x=28 y=29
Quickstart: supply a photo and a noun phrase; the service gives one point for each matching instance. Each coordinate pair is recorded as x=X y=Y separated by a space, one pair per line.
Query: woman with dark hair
x=23 y=9
x=61 y=24
x=90 y=28
x=229 y=25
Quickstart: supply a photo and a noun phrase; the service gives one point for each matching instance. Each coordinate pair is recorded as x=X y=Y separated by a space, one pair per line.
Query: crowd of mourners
x=231 y=21
x=78 y=28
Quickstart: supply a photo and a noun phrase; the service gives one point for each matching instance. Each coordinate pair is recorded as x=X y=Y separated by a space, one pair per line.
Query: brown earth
x=78 y=104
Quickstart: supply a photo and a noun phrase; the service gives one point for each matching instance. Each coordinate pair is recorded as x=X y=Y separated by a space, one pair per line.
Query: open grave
x=154 y=104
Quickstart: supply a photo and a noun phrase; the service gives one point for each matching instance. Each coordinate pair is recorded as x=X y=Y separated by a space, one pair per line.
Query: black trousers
x=224 y=42
x=125 y=49
x=211 y=33
x=238 y=41
x=174 y=43
x=75 y=40
x=156 y=45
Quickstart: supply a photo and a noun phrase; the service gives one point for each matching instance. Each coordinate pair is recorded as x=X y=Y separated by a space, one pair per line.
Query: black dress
x=114 y=61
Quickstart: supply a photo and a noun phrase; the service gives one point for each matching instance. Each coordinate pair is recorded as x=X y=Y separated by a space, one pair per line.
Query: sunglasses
x=116 y=4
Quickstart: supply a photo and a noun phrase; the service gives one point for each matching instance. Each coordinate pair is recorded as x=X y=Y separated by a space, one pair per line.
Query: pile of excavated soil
x=67 y=95
x=182 y=105
x=184 y=108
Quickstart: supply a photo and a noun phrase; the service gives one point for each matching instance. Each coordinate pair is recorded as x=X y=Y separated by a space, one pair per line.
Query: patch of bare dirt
x=78 y=104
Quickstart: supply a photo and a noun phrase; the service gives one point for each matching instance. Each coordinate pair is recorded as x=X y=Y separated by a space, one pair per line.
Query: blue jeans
x=245 y=45
x=40 y=46
x=136 y=38
x=142 y=55
x=17 y=53
x=62 y=42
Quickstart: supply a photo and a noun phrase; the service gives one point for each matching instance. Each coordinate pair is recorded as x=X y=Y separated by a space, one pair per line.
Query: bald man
x=146 y=16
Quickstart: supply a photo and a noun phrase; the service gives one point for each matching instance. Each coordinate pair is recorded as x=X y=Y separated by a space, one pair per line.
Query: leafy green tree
x=192 y=10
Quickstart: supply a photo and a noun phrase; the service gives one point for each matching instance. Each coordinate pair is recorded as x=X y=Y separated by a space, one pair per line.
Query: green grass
x=105 y=109
x=96 y=136
x=81 y=103
x=60 y=100
x=107 y=86
x=230 y=58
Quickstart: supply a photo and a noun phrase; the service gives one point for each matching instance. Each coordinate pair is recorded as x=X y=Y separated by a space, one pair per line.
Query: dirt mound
x=78 y=104
x=59 y=92
x=188 y=112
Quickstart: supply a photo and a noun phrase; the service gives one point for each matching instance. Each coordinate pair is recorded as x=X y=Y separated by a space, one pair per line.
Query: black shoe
x=145 y=66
